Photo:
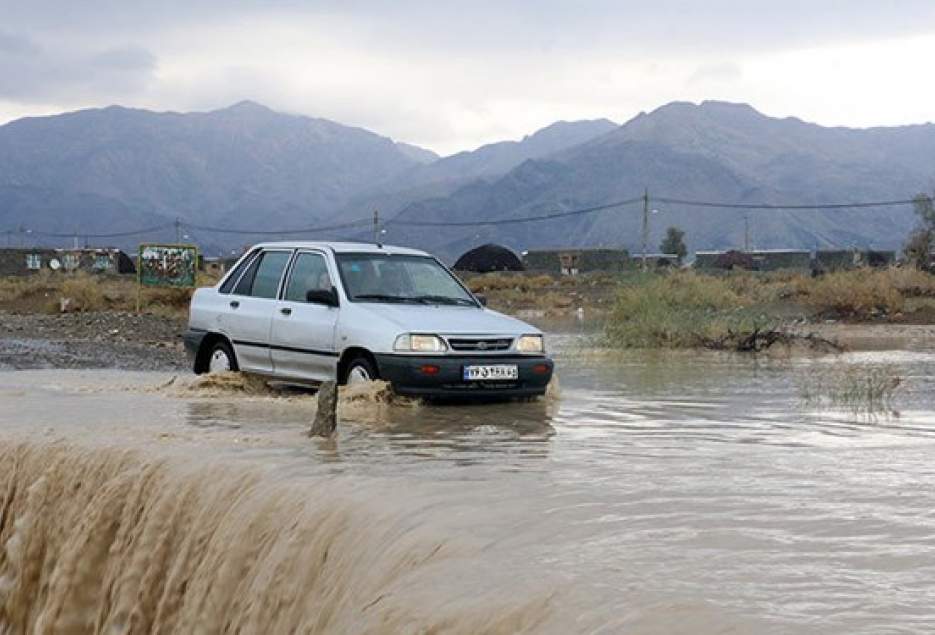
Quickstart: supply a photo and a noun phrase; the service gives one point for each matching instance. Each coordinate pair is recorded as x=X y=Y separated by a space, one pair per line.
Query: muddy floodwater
x=657 y=493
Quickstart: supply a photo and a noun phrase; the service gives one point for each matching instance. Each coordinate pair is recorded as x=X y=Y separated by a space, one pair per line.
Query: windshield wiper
x=443 y=299
x=380 y=297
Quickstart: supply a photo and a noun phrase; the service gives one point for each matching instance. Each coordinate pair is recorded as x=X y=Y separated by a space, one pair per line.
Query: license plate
x=491 y=372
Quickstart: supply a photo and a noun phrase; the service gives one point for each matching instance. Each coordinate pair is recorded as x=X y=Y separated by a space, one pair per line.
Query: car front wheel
x=360 y=370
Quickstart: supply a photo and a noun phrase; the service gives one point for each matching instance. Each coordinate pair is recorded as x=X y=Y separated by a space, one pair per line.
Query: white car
x=317 y=311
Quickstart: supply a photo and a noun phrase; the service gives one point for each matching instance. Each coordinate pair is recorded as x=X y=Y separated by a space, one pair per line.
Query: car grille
x=480 y=344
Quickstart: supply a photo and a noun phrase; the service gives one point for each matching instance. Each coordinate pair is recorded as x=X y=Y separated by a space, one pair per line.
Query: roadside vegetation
x=55 y=292
x=751 y=311
x=666 y=308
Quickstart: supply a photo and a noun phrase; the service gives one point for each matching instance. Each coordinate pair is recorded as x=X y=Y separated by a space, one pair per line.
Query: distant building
x=487 y=258
x=827 y=260
x=213 y=266
x=654 y=261
x=22 y=261
x=571 y=262
x=759 y=260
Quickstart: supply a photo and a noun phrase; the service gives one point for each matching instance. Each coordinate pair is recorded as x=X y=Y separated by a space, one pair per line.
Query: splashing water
x=104 y=541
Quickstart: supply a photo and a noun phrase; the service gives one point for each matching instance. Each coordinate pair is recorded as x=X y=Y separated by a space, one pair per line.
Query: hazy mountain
x=117 y=169
x=496 y=159
x=488 y=162
x=710 y=152
x=242 y=166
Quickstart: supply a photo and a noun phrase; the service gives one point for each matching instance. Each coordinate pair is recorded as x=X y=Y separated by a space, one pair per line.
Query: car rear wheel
x=221 y=359
x=359 y=371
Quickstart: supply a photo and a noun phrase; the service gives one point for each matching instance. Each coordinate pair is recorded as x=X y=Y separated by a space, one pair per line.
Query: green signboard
x=168 y=265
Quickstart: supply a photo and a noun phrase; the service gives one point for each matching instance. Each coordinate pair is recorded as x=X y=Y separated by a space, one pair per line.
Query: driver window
x=309 y=272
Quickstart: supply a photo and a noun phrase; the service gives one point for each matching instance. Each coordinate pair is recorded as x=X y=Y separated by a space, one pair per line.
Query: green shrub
x=680 y=310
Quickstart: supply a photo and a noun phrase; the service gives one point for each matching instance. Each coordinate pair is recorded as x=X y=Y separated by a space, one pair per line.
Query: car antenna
x=376 y=229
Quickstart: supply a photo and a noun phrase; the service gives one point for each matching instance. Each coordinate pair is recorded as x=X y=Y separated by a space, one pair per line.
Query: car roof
x=344 y=247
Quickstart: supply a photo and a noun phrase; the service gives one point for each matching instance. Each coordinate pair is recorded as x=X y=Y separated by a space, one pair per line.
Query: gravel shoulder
x=106 y=339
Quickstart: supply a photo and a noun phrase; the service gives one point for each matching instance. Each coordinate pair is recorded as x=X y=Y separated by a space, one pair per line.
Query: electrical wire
x=363 y=222
x=135 y=232
x=276 y=232
x=512 y=221
x=677 y=201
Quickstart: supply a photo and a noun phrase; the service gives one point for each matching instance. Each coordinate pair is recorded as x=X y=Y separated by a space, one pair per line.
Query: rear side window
x=269 y=273
x=228 y=285
x=261 y=279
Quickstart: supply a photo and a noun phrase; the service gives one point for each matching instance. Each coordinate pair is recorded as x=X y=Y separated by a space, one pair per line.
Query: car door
x=251 y=306
x=302 y=335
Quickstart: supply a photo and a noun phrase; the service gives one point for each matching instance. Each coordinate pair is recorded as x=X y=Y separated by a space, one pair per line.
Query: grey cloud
x=719 y=72
x=30 y=72
x=12 y=44
x=129 y=58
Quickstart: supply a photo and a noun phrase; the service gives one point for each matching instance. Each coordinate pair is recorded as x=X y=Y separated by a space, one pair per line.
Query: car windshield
x=400 y=278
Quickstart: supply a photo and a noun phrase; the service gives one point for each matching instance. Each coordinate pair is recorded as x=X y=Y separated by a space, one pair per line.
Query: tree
x=674 y=243
x=918 y=247
x=925 y=210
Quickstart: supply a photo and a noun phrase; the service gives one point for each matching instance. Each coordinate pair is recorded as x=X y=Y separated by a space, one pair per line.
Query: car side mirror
x=328 y=297
x=481 y=298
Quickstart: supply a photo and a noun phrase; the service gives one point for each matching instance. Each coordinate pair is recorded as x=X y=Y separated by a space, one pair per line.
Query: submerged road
x=660 y=493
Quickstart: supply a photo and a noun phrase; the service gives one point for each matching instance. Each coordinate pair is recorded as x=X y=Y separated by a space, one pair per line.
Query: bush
x=84 y=292
x=858 y=294
x=683 y=309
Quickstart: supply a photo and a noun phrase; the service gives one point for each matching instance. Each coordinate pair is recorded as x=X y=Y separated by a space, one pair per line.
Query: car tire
x=221 y=359
x=360 y=370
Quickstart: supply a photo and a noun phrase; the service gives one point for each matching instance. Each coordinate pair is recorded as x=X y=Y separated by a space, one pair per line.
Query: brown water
x=661 y=493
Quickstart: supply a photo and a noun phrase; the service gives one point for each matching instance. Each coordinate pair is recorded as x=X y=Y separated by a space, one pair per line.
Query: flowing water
x=657 y=493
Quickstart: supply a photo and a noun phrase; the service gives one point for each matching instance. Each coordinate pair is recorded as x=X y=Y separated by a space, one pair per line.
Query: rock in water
x=326 y=417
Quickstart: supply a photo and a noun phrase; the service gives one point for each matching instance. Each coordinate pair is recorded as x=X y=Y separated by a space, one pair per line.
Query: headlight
x=530 y=344
x=420 y=344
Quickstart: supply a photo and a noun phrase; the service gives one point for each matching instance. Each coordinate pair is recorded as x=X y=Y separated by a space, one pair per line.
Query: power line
x=135 y=232
x=677 y=201
x=362 y=222
x=525 y=219
x=270 y=232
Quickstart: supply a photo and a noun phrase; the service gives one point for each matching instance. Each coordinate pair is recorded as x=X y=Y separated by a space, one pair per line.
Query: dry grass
x=46 y=291
x=83 y=293
x=499 y=281
x=854 y=294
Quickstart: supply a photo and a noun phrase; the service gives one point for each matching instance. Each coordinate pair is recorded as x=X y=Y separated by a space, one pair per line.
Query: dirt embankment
x=106 y=339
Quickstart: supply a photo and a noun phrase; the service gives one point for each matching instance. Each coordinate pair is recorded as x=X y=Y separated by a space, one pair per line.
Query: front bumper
x=406 y=374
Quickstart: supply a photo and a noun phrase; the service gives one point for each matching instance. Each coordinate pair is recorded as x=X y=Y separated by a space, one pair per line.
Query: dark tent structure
x=488 y=258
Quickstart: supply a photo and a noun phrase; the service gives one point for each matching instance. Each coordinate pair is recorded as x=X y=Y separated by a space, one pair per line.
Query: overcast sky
x=453 y=75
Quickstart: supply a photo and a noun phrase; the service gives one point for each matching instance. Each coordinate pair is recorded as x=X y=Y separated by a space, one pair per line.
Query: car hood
x=445 y=319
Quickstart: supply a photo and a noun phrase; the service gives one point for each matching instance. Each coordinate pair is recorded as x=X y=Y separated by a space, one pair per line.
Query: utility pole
x=376 y=227
x=746 y=233
x=178 y=230
x=645 y=224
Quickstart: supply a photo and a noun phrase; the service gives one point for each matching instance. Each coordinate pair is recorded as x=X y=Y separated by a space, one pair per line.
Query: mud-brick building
x=20 y=262
x=827 y=260
x=571 y=262
x=25 y=261
x=761 y=260
x=709 y=259
x=777 y=259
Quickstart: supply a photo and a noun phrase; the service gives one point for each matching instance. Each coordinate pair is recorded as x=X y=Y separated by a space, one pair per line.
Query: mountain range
x=115 y=170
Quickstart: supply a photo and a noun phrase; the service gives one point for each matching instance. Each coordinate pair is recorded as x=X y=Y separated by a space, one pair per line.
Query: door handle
x=234 y=304
x=285 y=310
